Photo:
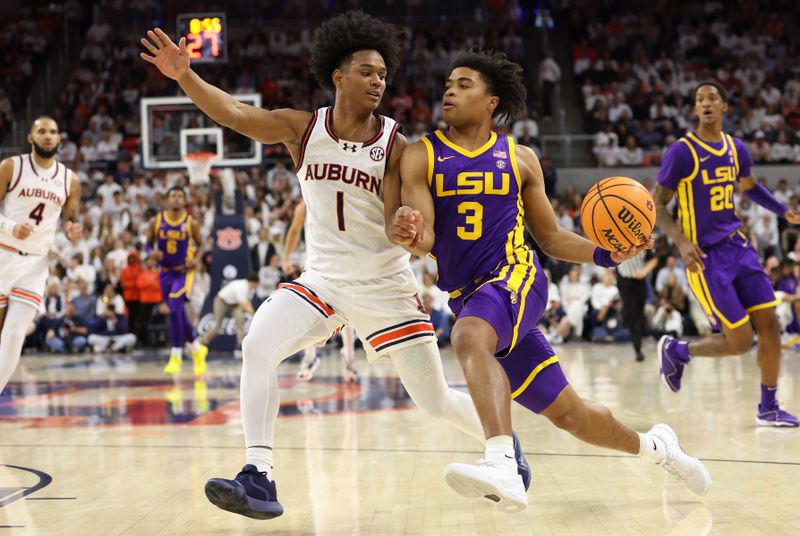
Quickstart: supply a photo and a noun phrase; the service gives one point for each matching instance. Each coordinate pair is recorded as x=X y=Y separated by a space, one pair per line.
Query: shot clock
x=206 y=36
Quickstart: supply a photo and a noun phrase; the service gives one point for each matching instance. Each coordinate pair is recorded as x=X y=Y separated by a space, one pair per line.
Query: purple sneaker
x=671 y=363
x=774 y=416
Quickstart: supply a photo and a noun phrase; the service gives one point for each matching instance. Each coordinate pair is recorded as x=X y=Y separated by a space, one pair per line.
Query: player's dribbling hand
x=403 y=229
x=692 y=255
x=21 y=231
x=622 y=256
x=74 y=230
x=792 y=216
x=157 y=255
x=171 y=59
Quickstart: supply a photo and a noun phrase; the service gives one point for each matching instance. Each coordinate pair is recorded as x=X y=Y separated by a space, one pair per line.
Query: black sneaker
x=250 y=494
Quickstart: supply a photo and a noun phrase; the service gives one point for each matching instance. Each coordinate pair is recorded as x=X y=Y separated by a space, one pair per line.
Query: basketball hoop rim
x=202 y=156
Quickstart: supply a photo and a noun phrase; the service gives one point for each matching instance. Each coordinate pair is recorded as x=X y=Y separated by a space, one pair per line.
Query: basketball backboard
x=172 y=126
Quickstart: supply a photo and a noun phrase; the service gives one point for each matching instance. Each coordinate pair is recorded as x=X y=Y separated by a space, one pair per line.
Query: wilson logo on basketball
x=635 y=226
x=229 y=238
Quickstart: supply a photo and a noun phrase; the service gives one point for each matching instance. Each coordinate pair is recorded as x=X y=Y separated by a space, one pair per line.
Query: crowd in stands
x=636 y=66
x=103 y=290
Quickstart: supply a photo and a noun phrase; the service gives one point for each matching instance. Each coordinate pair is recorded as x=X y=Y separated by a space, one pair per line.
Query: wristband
x=6 y=225
x=764 y=197
x=602 y=258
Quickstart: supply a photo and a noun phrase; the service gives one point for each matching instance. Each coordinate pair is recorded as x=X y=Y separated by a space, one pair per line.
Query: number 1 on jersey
x=340 y=210
x=37 y=213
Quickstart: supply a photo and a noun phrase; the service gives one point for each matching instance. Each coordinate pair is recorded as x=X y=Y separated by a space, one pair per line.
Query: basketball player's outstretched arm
x=748 y=184
x=541 y=220
x=411 y=225
x=691 y=254
x=151 y=239
x=22 y=230
x=278 y=126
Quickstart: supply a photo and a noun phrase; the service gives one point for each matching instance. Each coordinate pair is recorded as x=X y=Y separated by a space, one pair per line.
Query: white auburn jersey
x=35 y=196
x=342 y=185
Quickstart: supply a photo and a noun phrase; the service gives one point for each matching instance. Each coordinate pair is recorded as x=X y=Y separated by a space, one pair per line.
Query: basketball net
x=199 y=166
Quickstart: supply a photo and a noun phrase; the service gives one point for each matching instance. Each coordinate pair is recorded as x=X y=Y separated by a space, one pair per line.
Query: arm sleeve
x=677 y=164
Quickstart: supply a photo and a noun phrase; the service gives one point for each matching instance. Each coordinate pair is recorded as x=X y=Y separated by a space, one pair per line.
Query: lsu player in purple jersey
x=172 y=232
x=353 y=274
x=467 y=195
x=723 y=268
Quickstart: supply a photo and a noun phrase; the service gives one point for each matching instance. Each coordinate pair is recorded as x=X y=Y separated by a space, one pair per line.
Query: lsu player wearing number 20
x=722 y=267
x=36 y=193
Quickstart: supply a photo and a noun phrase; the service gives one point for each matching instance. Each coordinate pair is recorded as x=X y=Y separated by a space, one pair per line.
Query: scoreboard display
x=206 y=36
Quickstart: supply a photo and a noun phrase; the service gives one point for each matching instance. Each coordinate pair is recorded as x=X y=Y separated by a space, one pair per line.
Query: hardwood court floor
x=95 y=445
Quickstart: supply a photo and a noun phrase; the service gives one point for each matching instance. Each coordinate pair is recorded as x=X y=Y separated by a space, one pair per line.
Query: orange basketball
x=618 y=213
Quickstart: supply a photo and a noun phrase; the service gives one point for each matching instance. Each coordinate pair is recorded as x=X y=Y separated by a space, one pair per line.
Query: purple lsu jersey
x=702 y=174
x=174 y=238
x=478 y=205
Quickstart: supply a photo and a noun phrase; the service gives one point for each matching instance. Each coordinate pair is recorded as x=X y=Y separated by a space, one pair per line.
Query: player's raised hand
x=692 y=255
x=74 y=230
x=622 y=256
x=171 y=59
x=22 y=231
x=792 y=216
x=403 y=229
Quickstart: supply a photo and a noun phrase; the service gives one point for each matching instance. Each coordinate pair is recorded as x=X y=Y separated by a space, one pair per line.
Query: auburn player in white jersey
x=354 y=275
x=35 y=192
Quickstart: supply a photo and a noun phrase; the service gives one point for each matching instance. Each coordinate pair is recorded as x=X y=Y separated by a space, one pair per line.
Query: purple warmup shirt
x=478 y=207
x=173 y=239
x=702 y=175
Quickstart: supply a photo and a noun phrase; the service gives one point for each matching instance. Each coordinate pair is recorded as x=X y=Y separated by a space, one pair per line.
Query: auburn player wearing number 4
x=354 y=275
x=468 y=194
x=722 y=266
x=36 y=192
x=172 y=232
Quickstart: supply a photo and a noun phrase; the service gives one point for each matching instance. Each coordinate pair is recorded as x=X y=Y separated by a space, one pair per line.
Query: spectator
x=109 y=298
x=69 y=332
x=149 y=286
x=671 y=267
x=549 y=76
x=131 y=294
x=439 y=318
x=574 y=293
x=667 y=320
x=605 y=303
x=632 y=154
x=85 y=303
x=111 y=329
x=760 y=150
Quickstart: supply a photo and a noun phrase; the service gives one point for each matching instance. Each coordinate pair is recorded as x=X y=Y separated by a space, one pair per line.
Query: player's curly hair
x=504 y=78
x=350 y=32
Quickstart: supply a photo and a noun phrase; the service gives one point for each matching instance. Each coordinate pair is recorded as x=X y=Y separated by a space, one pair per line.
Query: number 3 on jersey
x=37 y=213
x=474 y=221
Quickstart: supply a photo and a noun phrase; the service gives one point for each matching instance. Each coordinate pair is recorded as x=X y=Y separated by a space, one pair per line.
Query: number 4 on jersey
x=37 y=213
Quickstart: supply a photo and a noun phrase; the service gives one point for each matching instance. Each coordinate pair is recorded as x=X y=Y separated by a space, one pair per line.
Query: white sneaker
x=486 y=480
x=307 y=369
x=688 y=470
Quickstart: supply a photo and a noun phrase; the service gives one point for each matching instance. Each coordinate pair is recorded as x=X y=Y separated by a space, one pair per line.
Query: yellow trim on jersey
x=773 y=303
x=187 y=286
x=697 y=290
x=523 y=295
x=535 y=372
x=179 y=220
x=512 y=155
x=735 y=154
x=704 y=145
x=469 y=154
x=158 y=224
x=727 y=323
x=190 y=248
x=685 y=196
x=429 y=150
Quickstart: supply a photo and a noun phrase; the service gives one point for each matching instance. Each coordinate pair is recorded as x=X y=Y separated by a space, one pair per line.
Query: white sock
x=500 y=450
x=176 y=353
x=651 y=448
x=261 y=458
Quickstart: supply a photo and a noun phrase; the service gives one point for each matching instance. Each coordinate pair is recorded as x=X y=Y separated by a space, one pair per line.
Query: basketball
x=618 y=213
